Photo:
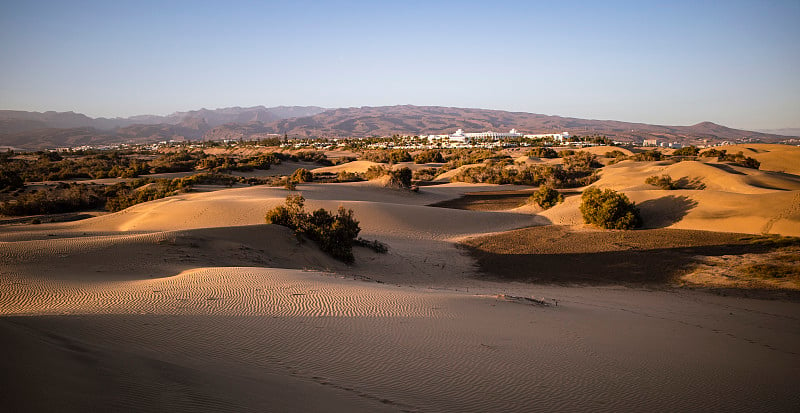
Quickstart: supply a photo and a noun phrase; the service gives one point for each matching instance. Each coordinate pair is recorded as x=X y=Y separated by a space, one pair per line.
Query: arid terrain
x=483 y=302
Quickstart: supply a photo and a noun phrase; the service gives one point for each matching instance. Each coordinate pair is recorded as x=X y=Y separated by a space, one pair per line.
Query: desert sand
x=193 y=303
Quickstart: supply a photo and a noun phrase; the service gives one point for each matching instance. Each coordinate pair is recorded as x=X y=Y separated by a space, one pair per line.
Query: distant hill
x=388 y=120
x=34 y=130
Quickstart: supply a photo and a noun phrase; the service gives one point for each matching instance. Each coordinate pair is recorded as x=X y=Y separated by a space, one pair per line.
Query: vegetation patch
x=663 y=182
x=609 y=209
x=335 y=233
x=546 y=197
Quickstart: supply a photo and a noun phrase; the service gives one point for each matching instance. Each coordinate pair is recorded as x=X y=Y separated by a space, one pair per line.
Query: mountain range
x=37 y=130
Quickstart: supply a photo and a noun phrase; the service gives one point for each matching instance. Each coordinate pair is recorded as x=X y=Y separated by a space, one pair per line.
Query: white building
x=558 y=137
x=462 y=137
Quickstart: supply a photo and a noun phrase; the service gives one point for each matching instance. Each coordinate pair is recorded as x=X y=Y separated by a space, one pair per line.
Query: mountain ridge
x=37 y=130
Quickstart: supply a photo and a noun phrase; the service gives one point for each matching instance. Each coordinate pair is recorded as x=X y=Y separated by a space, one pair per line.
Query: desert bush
x=427 y=174
x=741 y=160
x=557 y=176
x=334 y=233
x=546 y=197
x=10 y=180
x=374 y=245
x=543 y=152
x=430 y=156
x=374 y=171
x=581 y=160
x=399 y=156
x=713 y=153
x=663 y=182
x=566 y=152
x=461 y=157
x=615 y=154
x=290 y=184
x=302 y=175
x=55 y=200
x=386 y=156
x=400 y=178
x=317 y=157
x=609 y=209
x=652 y=155
x=344 y=176
x=686 y=151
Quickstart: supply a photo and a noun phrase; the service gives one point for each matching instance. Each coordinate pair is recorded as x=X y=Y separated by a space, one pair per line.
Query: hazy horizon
x=681 y=63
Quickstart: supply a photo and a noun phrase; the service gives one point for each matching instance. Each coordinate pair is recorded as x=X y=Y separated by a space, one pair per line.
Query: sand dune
x=351 y=167
x=734 y=199
x=773 y=157
x=192 y=303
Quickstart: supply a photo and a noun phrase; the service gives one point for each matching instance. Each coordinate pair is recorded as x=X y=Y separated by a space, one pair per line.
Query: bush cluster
x=426 y=174
x=578 y=170
x=652 y=155
x=738 y=158
x=388 y=156
x=302 y=175
x=546 y=197
x=60 y=199
x=609 y=209
x=543 y=152
x=334 y=233
x=663 y=182
x=429 y=156
x=686 y=151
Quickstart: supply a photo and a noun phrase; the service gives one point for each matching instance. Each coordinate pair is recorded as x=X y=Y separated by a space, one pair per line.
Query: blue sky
x=665 y=62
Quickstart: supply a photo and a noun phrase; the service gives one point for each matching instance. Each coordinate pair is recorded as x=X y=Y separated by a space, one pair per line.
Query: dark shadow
x=648 y=266
x=690 y=183
x=665 y=211
x=487 y=201
x=726 y=168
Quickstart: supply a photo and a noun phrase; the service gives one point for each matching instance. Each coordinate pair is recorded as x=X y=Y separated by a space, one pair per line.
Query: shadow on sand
x=665 y=211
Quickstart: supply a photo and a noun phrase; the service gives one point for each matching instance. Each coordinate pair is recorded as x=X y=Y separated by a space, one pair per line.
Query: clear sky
x=665 y=62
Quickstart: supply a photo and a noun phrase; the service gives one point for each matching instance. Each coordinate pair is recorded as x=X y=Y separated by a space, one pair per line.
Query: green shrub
x=344 y=176
x=302 y=175
x=741 y=160
x=10 y=180
x=581 y=160
x=652 y=155
x=400 y=178
x=430 y=156
x=546 y=197
x=399 y=156
x=334 y=233
x=609 y=209
x=615 y=154
x=374 y=171
x=713 y=153
x=686 y=151
x=663 y=182
x=426 y=174
x=543 y=152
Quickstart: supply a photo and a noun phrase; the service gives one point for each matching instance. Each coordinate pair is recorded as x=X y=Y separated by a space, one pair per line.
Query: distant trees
x=543 y=152
x=652 y=155
x=429 y=156
x=609 y=209
x=686 y=151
